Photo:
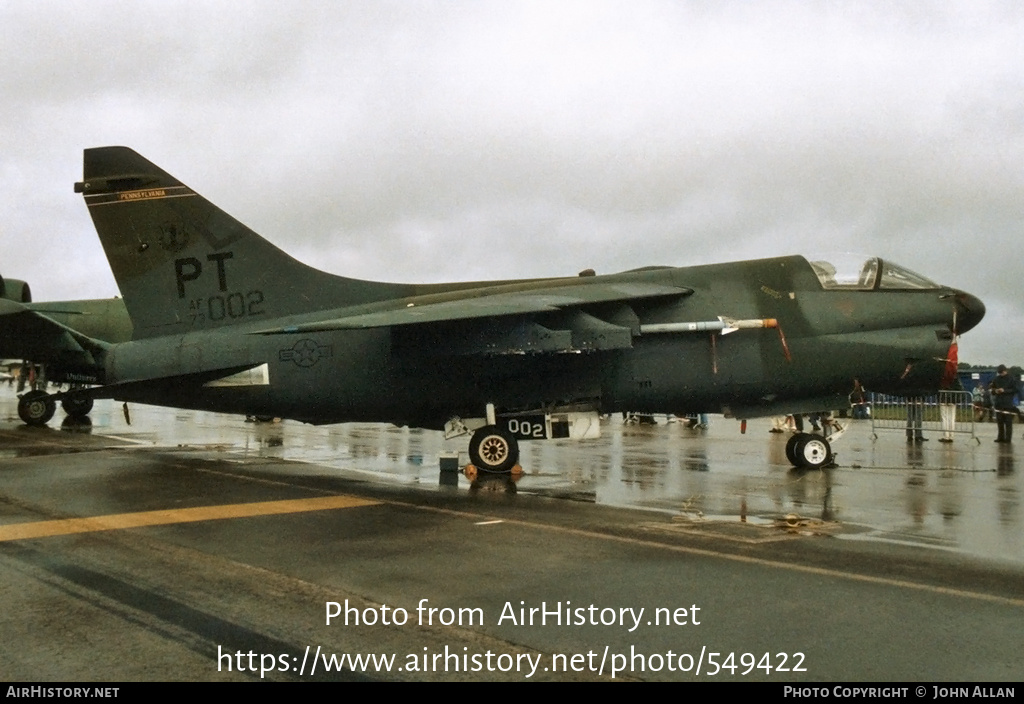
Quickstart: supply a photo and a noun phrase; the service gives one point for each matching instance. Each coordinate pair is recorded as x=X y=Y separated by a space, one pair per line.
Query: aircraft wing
x=564 y=318
x=473 y=305
x=28 y=334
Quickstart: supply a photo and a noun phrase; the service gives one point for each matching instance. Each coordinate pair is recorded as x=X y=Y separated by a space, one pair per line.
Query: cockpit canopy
x=854 y=273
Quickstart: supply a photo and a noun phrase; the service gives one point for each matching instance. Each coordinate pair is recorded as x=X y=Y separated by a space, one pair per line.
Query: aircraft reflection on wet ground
x=964 y=496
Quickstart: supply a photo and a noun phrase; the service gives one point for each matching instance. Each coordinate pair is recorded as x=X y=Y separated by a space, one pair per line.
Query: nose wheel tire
x=494 y=450
x=809 y=451
x=36 y=408
x=791 y=448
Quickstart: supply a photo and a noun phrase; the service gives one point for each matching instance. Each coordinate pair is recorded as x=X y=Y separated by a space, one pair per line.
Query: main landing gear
x=37 y=407
x=493 y=450
x=494 y=441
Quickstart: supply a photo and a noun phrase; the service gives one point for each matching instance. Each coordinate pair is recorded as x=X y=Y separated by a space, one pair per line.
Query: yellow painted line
x=120 y=521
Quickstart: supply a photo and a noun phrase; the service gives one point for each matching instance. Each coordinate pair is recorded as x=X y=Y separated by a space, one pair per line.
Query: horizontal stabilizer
x=29 y=334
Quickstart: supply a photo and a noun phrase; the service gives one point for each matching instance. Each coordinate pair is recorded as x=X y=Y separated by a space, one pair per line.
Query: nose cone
x=969 y=311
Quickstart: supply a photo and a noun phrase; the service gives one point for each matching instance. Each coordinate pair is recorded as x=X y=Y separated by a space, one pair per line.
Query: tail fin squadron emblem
x=173 y=239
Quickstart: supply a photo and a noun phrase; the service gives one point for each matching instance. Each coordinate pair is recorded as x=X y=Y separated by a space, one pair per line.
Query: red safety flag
x=949 y=373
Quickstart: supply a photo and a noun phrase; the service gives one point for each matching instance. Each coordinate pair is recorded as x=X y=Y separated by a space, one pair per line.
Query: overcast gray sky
x=431 y=141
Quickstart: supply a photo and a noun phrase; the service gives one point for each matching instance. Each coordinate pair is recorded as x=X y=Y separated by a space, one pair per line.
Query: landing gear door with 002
x=552 y=426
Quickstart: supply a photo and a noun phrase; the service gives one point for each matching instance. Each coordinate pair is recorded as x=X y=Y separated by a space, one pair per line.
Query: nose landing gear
x=809 y=451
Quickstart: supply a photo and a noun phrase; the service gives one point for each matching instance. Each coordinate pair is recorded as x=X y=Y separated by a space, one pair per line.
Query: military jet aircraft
x=68 y=337
x=223 y=320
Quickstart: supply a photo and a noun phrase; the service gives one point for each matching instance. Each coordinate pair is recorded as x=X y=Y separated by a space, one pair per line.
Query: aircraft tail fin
x=183 y=264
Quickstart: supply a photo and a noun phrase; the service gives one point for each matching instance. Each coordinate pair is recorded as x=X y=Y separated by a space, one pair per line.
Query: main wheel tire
x=76 y=406
x=36 y=408
x=813 y=452
x=494 y=450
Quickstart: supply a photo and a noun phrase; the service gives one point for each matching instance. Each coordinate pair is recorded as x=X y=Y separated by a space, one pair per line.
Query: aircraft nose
x=969 y=311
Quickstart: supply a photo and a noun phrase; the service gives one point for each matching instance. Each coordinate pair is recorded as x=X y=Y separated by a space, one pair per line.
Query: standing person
x=1004 y=387
x=858 y=401
x=915 y=416
x=827 y=423
x=978 y=401
x=947 y=407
